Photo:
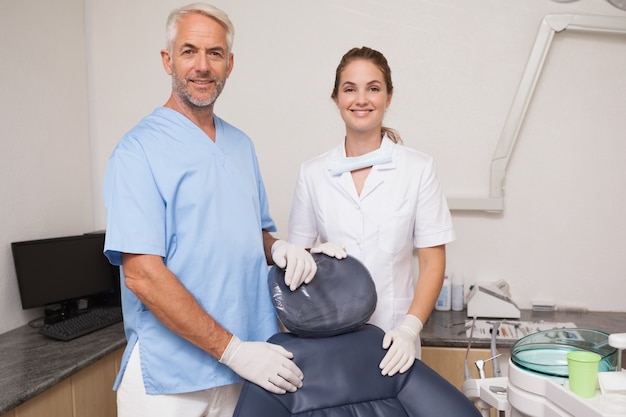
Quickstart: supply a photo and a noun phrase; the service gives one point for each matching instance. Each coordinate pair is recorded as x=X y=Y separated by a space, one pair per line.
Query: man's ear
x=231 y=62
x=167 y=61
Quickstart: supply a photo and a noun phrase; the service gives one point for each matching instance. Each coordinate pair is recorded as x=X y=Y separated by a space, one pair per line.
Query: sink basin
x=546 y=352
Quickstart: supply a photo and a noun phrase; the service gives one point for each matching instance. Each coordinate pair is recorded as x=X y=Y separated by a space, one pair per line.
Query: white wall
x=45 y=163
x=456 y=66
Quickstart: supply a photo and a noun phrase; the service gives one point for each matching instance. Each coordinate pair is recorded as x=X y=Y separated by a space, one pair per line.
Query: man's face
x=199 y=61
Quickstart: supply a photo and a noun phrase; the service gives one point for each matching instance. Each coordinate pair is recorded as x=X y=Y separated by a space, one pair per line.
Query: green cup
x=583 y=372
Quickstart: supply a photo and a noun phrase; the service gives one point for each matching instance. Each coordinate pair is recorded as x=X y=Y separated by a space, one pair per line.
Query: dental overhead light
x=620 y=4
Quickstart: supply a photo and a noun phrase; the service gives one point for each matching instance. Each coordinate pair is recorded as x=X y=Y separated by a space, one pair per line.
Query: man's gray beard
x=180 y=87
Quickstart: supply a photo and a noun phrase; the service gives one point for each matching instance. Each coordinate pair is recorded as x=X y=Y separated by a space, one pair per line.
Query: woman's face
x=362 y=97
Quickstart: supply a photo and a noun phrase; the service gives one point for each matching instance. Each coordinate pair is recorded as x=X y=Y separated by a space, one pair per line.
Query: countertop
x=435 y=332
x=31 y=363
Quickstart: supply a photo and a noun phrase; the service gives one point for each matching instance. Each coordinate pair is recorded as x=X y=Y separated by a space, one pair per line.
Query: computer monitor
x=57 y=273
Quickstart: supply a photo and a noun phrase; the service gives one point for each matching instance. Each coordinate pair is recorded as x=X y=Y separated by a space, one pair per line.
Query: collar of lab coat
x=340 y=152
x=375 y=177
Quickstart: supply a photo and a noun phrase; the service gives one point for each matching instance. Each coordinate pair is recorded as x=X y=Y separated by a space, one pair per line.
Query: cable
x=469 y=345
x=37 y=323
x=494 y=353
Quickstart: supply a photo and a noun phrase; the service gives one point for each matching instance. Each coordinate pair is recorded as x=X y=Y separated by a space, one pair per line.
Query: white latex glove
x=331 y=249
x=401 y=355
x=301 y=267
x=265 y=364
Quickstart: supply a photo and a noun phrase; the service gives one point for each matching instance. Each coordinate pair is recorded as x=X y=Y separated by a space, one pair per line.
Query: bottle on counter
x=445 y=297
x=458 y=293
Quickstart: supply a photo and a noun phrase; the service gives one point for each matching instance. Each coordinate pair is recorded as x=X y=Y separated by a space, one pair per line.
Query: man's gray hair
x=205 y=9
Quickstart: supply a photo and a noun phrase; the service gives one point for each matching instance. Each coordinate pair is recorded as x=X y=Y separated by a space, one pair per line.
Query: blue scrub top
x=171 y=191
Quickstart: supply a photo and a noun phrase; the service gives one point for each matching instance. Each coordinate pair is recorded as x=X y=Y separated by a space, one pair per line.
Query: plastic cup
x=583 y=373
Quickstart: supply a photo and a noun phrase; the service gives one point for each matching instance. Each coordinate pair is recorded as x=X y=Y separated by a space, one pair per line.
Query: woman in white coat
x=377 y=200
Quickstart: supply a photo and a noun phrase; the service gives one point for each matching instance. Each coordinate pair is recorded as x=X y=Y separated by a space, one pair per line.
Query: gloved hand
x=401 y=355
x=331 y=249
x=301 y=267
x=265 y=364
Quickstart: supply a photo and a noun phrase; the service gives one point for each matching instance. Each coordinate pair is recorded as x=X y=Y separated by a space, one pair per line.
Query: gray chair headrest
x=340 y=299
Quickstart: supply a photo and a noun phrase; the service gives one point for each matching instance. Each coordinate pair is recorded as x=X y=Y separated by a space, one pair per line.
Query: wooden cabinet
x=449 y=362
x=87 y=393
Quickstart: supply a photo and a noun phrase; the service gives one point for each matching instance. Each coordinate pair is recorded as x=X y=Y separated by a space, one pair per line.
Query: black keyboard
x=87 y=322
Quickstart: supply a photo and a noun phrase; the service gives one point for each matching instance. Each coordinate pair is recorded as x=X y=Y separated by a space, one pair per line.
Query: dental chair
x=339 y=355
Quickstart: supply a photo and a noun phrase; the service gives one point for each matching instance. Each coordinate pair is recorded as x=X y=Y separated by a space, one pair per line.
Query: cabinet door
x=449 y=362
x=88 y=393
x=92 y=388
x=54 y=402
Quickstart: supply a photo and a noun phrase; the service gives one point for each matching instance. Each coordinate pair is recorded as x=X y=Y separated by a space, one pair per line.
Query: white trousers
x=132 y=400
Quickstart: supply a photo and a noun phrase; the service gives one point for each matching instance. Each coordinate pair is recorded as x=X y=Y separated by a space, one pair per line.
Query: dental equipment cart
x=537 y=380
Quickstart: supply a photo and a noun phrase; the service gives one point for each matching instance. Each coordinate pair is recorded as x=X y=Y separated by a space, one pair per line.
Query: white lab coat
x=400 y=207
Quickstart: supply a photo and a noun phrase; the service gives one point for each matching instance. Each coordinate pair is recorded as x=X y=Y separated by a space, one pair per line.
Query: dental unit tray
x=511 y=329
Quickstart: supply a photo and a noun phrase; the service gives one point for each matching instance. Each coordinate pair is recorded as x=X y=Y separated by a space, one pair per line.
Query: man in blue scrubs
x=188 y=221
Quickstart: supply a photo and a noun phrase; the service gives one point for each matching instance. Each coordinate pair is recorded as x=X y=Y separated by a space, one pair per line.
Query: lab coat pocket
x=395 y=232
